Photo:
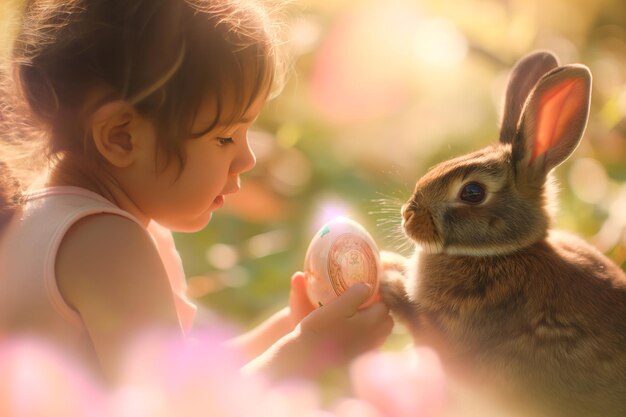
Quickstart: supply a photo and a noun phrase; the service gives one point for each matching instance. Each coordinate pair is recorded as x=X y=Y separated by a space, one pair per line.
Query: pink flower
x=166 y=376
x=400 y=384
x=37 y=380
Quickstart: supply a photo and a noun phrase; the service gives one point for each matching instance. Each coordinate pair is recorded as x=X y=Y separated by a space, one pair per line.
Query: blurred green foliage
x=379 y=92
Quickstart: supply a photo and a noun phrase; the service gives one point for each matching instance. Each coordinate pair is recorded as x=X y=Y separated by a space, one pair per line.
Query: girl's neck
x=76 y=173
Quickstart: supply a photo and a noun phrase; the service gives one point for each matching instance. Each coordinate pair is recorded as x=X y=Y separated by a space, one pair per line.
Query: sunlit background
x=380 y=90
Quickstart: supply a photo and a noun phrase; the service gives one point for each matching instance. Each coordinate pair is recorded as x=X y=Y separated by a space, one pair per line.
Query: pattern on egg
x=350 y=260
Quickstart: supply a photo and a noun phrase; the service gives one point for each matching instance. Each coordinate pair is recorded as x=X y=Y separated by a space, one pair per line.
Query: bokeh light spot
x=438 y=43
x=588 y=180
x=222 y=256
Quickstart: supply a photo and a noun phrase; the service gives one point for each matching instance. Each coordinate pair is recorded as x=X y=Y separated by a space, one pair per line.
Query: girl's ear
x=552 y=122
x=113 y=132
x=525 y=75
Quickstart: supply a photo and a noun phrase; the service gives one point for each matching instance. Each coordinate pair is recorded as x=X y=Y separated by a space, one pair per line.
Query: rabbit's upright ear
x=552 y=122
x=525 y=75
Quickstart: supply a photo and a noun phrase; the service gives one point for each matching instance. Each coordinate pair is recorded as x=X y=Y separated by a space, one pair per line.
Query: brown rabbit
x=507 y=302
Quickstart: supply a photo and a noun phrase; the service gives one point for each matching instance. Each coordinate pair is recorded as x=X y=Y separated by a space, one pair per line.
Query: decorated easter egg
x=341 y=254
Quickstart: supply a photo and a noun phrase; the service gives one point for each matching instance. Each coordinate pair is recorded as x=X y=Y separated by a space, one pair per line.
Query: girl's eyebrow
x=245 y=121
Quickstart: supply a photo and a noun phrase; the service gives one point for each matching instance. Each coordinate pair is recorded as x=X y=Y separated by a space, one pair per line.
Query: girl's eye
x=224 y=141
x=472 y=193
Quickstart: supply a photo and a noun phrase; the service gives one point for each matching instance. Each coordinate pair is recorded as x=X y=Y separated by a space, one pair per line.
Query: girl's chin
x=192 y=226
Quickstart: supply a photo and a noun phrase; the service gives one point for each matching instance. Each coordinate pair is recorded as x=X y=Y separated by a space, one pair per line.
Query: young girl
x=144 y=108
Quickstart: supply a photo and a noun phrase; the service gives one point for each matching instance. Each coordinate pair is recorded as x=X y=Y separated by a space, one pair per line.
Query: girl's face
x=184 y=200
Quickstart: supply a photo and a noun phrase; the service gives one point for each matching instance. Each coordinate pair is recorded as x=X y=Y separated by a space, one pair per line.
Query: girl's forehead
x=228 y=109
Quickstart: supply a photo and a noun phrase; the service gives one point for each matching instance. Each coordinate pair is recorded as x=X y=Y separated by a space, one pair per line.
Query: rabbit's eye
x=472 y=193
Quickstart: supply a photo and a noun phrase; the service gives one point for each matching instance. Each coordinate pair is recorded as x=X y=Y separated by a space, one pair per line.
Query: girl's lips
x=219 y=201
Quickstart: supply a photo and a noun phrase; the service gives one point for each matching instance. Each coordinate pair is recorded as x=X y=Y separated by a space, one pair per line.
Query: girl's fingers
x=348 y=303
x=298 y=289
x=298 y=299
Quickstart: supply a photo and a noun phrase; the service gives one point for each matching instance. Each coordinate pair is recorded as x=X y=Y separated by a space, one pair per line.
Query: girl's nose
x=246 y=160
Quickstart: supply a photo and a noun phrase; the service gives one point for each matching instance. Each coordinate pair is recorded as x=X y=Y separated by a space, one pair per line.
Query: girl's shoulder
x=105 y=252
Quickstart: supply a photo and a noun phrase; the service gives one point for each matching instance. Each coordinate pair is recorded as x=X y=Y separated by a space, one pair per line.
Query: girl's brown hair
x=164 y=56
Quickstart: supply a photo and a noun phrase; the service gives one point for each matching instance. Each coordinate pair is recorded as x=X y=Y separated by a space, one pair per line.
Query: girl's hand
x=340 y=331
x=326 y=337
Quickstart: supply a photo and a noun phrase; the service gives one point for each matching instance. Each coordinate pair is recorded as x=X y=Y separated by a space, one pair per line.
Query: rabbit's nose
x=408 y=211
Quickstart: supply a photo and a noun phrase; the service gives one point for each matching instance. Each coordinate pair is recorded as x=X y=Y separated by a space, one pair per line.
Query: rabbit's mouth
x=419 y=226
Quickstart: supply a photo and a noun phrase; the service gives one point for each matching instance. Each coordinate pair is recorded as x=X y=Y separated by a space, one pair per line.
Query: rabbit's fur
x=532 y=313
